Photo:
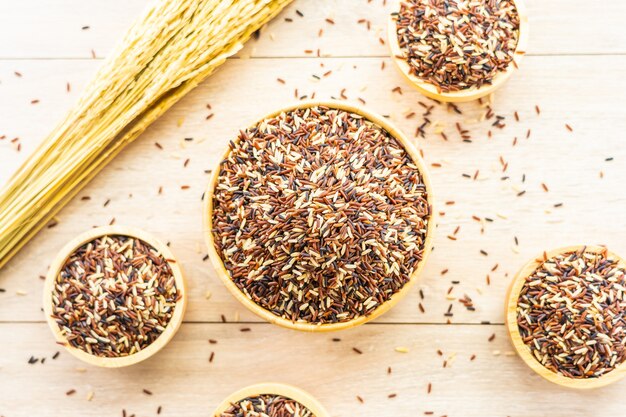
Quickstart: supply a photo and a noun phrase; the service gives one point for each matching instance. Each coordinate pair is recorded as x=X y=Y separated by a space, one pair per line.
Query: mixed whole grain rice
x=267 y=405
x=570 y=313
x=457 y=44
x=114 y=296
x=320 y=215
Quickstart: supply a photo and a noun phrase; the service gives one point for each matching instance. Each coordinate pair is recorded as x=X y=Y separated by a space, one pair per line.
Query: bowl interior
x=284 y=390
x=172 y=326
x=468 y=94
x=224 y=275
x=522 y=350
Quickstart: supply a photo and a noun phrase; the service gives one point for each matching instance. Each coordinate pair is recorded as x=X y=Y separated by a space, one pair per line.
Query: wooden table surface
x=574 y=71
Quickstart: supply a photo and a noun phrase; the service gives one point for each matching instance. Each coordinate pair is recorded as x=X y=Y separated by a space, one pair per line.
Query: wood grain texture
x=557 y=27
x=185 y=383
x=568 y=163
x=573 y=71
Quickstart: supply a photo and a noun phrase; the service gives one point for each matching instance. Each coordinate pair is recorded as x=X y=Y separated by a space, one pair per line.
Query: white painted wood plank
x=586 y=92
x=184 y=383
x=53 y=29
x=569 y=163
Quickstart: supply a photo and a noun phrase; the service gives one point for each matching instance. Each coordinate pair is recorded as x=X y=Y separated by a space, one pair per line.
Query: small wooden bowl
x=468 y=94
x=516 y=339
x=218 y=264
x=287 y=391
x=172 y=326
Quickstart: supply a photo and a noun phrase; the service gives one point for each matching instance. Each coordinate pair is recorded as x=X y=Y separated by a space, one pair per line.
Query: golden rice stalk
x=165 y=54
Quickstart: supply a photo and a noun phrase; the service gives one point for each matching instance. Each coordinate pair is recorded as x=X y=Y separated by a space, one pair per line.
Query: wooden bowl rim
x=513 y=330
x=223 y=274
x=171 y=328
x=274 y=388
x=468 y=94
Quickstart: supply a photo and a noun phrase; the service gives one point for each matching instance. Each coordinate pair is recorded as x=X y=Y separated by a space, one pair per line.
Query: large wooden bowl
x=223 y=274
x=287 y=391
x=468 y=94
x=171 y=328
x=516 y=339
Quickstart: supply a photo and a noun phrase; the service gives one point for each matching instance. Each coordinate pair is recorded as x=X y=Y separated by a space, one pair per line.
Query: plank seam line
x=230 y=323
x=77 y=58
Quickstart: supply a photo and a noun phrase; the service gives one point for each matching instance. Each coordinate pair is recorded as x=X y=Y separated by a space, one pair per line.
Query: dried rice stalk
x=165 y=54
